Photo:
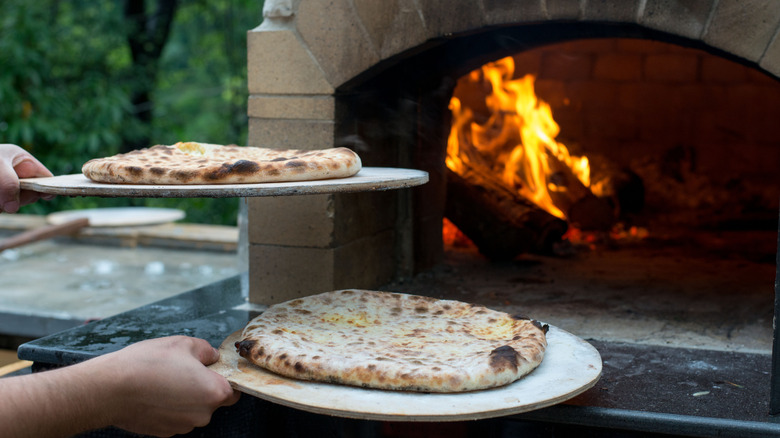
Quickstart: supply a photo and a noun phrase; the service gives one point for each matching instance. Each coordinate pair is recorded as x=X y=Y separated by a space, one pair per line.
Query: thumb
x=29 y=167
x=205 y=353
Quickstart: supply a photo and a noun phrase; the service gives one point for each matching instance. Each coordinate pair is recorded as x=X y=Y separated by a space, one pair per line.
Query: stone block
x=446 y=17
x=528 y=62
x=593 y=94
x=280 y=273
x=622 y=11
x=671 y=67
x=365 y=263
x=566 y=65
x=509 y=12
x=720 y=70
x=393 y=26
x=277 y=63
x=649 y=98
x=305 y=221
x=563 y=10
x=635 y=45
x=291 y=134
x=686 y=18
x=552 y=91
x=771 y=59
x=743 y=27
x=618 y=67
x=362 y=214
x=292 y=107
x=333 y=33
x=321 y=221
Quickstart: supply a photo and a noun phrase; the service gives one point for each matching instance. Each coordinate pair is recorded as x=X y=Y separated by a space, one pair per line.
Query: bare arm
x=157 y=387
x=17 y=163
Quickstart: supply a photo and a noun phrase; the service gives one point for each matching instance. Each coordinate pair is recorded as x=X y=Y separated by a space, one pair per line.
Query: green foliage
x=66 y=78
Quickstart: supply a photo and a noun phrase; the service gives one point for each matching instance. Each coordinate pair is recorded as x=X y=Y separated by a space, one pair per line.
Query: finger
x=9 y=187
x=26 y=166
x=28 y=197
x=203 y=351
x=233 y=399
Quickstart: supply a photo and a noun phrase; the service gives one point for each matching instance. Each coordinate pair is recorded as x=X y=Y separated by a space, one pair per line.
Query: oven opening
x=626 y=189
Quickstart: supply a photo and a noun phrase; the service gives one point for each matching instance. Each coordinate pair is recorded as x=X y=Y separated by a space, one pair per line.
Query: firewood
x=581 y=207
x=501 y=223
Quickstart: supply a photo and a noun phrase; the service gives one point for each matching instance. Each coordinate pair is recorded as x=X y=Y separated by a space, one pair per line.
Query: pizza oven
x=673 y=103
x=646 y=89
x=664 y=261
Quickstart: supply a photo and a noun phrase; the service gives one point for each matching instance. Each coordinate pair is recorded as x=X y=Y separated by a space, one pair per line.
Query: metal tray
x=368 y=179
x=570 y=367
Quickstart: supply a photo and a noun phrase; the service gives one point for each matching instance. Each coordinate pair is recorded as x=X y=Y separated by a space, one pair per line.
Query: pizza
x=203 y=163
x=393 y=341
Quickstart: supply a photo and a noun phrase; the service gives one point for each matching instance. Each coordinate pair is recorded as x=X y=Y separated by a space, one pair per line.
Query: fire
x=514 y=136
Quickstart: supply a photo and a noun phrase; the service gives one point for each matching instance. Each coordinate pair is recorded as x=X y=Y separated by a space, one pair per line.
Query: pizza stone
x=393 y=341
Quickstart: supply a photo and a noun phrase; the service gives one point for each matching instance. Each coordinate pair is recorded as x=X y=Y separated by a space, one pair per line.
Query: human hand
x=17 y=163
x=162 y=385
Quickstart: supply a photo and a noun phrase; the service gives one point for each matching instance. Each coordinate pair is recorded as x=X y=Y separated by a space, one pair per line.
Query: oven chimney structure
x=308 y=59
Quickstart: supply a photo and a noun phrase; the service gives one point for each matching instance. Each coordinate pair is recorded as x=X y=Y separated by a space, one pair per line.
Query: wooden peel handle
x=43 y=233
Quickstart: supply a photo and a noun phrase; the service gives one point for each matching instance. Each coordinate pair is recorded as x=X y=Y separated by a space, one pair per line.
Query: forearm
x=55 y=403
x=157 y=387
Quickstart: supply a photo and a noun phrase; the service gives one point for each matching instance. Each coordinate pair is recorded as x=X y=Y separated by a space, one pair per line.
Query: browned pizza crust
x=201 y=163
x=393 y=341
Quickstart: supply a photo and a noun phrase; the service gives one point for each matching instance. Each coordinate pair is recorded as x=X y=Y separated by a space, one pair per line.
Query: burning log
x=500 y=222
x=581 y=207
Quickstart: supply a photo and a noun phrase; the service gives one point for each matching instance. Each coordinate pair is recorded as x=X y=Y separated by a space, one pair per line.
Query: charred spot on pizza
x=296 y=165
x=503 y=358
x=135 y=170
x=244 y=348
x=421 y=309
x=243 y=167
x=271 y=170
x=157 y=170
x=240 y=167
x=184 y=175
x=543 y=327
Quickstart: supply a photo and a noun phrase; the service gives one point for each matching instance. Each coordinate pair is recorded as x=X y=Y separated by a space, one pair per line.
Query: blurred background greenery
x=81 y=79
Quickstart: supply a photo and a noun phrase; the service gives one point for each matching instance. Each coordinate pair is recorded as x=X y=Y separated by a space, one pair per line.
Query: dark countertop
x=646 y=389
x=210 y=312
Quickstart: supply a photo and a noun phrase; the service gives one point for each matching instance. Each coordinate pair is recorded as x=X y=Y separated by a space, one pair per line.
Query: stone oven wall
x=339 y=72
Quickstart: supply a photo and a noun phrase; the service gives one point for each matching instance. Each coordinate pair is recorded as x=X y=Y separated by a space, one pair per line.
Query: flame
x=516 y=140
x=453 y=237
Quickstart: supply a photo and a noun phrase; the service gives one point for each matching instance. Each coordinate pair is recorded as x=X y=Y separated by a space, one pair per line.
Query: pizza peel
x=570 y=367
x=368 y=179
x=71 y=221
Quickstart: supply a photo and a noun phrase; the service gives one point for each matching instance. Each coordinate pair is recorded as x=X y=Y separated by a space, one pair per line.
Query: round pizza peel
x=368 y=179
x=71 y=221
x=570 y=367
